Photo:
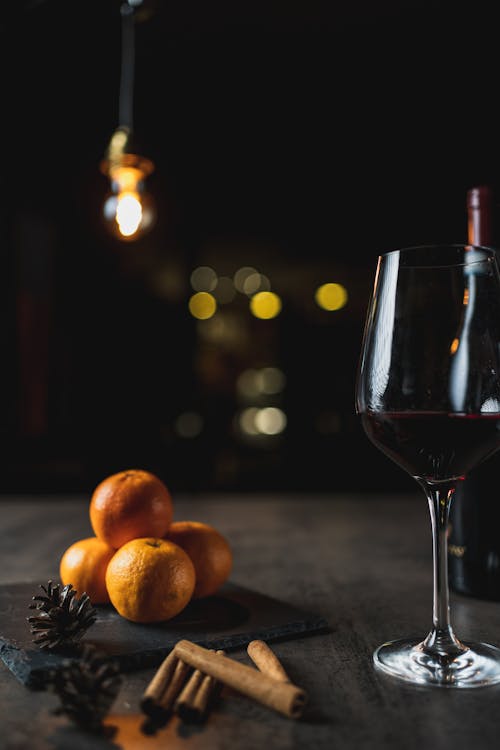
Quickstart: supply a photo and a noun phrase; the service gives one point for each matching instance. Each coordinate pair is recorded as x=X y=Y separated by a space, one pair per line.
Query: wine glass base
x=409 y=660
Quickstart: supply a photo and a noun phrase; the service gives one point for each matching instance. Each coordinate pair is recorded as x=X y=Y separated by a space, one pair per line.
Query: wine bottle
x=474 y=527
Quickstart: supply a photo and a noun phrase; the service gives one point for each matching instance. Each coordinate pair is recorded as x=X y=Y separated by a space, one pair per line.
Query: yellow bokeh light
x=331 y=296
x=202 y=305
x=265 y=305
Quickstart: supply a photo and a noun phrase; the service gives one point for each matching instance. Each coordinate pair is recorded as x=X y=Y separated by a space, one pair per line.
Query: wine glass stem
x=441 y=640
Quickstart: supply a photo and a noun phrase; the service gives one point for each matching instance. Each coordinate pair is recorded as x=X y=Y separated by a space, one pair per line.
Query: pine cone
x=61 y=618
x=87 y=687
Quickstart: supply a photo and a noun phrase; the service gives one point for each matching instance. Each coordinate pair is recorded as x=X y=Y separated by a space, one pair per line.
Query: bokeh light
x=248 y=383
x=270 y=420
x=331 y=296
x=203 y=279
x=247 y=421
x=271 y=380
x=265 y=305
x=267 y=421
x=202 y=305
x=264 y=381
x=256 y=282
x=241 y=276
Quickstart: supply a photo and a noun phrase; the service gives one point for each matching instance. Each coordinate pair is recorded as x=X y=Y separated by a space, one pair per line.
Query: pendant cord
x=126 y=96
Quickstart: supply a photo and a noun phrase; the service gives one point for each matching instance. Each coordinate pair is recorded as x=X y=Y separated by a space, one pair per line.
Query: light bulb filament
x=128 y=213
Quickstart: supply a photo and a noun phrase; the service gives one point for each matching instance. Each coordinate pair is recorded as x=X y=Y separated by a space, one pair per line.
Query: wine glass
x=428 y=393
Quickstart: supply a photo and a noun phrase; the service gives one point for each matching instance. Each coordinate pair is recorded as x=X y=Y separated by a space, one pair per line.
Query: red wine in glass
x=434 y=445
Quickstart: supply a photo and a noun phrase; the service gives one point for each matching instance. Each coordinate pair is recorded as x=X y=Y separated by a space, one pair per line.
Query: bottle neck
x=479 y=215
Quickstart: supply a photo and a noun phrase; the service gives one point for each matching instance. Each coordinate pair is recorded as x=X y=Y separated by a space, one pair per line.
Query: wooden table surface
x=361 y=561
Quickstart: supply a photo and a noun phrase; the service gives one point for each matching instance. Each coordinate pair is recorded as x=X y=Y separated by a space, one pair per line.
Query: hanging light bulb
x=129 y=210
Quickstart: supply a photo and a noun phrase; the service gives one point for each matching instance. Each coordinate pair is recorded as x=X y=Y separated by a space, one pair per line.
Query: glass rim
x=457 y=254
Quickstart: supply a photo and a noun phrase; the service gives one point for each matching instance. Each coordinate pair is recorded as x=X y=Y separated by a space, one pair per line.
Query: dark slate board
x=229 y=620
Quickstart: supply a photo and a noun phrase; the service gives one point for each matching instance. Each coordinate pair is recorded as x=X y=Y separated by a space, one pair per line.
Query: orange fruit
x=150 y=580
x=208 y=549
x=83 y=564
x=129 y=505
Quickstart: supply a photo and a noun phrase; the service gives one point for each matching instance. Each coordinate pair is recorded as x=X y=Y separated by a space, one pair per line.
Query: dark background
x=301 y=138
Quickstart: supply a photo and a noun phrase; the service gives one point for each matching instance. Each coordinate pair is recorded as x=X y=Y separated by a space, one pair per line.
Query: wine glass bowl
x=428 y=395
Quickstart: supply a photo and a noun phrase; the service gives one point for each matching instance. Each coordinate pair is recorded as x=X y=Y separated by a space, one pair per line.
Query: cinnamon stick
x=192 y=704
x=266 y=660
x=186 y=697
x=151 y=697
x=173 y=688
x=283 y=697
